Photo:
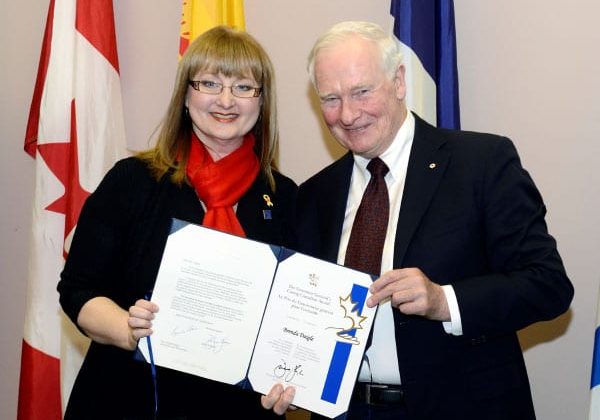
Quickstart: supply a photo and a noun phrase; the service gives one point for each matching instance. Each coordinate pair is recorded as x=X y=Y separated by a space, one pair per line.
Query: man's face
x=362 y=107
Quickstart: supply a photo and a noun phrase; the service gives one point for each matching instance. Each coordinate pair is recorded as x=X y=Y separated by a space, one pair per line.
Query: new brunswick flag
x=198 y=16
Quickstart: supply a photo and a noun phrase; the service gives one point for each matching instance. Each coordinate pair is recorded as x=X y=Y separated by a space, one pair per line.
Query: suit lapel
x=332 y=205
x=427 y=164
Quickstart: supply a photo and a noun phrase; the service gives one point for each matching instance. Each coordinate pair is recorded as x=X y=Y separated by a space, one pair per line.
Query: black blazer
x=471 y=217
x=116 y=252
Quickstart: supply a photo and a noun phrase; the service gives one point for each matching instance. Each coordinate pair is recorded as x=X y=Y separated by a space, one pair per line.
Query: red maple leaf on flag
x=63 y=161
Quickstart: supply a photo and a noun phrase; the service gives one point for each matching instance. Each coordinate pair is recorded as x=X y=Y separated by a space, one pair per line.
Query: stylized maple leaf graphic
x=351 y=313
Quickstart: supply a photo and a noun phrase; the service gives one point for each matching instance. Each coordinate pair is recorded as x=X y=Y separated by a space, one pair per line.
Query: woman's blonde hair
x=231 y=53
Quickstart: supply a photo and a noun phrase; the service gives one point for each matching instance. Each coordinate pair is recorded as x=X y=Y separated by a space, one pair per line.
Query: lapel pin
x=267 y=200
x=267 y=214
x=432 y=165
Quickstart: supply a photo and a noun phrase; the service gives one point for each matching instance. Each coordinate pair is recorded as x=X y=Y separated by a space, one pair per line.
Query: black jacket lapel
x=426 y=167
x=333 y=204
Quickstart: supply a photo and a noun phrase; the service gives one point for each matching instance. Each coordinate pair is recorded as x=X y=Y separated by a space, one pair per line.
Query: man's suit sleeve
x=528 y=281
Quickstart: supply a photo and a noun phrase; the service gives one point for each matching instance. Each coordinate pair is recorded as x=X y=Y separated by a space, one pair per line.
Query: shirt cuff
x=454 y=326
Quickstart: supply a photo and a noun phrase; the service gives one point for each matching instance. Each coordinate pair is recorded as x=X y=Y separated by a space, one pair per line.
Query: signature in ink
x=178 y=330
x=287 y=373
x=215 y=343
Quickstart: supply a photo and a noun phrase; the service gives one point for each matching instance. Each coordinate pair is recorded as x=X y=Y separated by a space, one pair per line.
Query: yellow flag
x=200 y=15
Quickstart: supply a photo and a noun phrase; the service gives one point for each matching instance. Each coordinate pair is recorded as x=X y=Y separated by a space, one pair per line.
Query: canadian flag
x=75 y=132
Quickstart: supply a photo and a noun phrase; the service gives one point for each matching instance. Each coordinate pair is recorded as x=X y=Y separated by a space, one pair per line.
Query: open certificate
x=244 y=312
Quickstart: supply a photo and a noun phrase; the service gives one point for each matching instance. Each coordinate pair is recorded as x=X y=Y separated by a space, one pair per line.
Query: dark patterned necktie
x=367 y=237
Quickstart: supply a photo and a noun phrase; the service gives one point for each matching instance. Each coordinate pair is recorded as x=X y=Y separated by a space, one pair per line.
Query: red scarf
x=221 y=184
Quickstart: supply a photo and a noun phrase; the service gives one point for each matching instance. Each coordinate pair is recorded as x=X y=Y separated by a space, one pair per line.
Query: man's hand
x=279 y=399
x=411 y=291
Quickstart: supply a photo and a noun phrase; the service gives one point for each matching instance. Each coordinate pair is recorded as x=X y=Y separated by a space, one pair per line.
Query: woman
x=212 y=164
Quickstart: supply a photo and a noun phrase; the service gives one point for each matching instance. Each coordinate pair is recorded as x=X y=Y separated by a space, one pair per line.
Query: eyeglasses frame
x=195 y=84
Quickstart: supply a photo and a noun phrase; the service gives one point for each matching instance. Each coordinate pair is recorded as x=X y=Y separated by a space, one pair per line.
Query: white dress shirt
x=381 y=362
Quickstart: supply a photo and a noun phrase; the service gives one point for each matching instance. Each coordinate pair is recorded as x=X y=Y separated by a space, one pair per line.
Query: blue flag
x=426 y=31
x=595 y=384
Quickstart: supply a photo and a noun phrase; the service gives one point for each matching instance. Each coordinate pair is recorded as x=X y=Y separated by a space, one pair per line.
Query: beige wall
x=528 y=70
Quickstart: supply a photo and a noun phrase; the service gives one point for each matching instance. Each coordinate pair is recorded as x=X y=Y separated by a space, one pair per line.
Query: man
x=466 y=257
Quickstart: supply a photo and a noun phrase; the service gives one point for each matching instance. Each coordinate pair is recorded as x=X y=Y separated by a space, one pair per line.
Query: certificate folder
x=252 y=314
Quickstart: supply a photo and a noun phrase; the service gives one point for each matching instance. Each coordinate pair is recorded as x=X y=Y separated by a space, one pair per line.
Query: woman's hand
x=107 y=323
x=140 y=320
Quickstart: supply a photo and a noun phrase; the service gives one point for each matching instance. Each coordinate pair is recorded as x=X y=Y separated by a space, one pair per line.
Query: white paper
x=309 y=316
x=213 y=290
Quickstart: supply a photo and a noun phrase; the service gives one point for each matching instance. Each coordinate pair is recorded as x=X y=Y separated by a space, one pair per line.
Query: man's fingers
x=375 y=298
x=285 y=400
x=385 y=279
x=269 y=400
x=279 y=399
x=401 y=285
x=392 y=289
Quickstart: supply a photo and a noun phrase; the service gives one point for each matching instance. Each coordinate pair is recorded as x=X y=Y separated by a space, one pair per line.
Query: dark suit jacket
x=471 y=217
x=116 y=252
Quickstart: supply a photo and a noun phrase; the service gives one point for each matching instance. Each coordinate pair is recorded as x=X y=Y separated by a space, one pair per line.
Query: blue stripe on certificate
x=341 y=353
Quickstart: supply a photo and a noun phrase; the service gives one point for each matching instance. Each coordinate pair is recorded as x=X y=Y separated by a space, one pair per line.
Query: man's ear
x=400 y=82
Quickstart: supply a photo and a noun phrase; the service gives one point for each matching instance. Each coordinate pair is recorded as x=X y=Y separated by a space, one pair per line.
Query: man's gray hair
x=388 y=46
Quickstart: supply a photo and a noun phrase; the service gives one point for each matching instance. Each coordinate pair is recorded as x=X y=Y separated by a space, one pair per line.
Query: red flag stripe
x=95 y=21
x=39 y=385
x=31 y=134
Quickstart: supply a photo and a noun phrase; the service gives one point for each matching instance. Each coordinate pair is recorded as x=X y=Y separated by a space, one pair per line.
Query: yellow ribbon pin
x=268 y=200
